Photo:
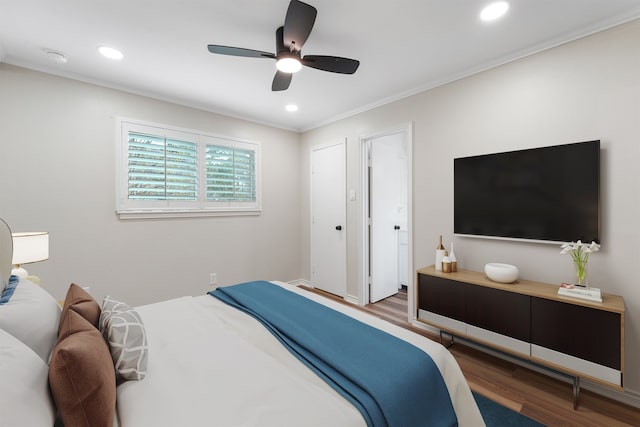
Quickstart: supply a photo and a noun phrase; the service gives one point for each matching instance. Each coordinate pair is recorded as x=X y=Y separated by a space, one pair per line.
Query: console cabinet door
x=442 y=296
x=579 y=331
x=502 y=312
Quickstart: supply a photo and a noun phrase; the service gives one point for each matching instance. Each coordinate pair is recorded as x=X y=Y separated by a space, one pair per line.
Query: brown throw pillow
x=81 y=375
x=81 y=302
x=71 y=323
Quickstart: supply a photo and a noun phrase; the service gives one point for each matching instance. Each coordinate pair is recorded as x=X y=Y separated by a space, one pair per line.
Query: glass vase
x=582 y=273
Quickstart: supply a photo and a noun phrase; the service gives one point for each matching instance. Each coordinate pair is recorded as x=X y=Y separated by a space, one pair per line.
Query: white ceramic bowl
x=503 y=273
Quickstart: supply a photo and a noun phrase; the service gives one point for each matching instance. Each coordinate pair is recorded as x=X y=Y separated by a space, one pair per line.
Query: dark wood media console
x=529 y=320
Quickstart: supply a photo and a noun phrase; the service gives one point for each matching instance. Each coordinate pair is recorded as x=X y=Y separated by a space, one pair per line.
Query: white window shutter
x=175 y=172
x=161 y=168
x=230 y=174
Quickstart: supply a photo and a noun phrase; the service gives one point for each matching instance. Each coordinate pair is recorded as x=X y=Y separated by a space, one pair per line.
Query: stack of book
x=583 y=292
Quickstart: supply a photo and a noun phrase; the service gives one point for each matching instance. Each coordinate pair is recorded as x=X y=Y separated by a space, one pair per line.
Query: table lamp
x=27 y=248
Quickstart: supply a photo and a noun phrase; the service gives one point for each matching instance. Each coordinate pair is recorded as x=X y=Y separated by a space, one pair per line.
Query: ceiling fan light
x=288 y=65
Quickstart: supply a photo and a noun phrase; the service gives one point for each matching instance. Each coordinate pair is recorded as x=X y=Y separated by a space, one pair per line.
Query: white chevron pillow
x=125 y=334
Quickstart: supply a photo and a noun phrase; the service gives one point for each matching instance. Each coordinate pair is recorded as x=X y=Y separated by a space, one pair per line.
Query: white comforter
x=212 y=365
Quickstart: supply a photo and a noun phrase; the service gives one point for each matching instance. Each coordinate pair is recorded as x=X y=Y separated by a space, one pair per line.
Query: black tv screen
x=544 y=194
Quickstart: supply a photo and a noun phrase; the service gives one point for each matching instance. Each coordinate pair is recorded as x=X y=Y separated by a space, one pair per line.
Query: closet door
x=328 y=217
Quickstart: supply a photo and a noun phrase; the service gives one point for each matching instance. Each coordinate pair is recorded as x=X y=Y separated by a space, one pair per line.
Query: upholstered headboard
x=6 y=253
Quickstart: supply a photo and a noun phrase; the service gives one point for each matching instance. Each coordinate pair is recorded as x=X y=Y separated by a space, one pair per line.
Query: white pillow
x=126 y=336
x=24 y=387
x=32 y=315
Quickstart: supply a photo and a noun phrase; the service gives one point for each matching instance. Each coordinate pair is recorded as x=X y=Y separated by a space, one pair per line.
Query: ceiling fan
x=289 y=40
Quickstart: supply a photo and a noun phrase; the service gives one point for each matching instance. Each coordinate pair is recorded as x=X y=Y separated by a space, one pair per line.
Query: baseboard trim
x=352 y=299
x=301 y=282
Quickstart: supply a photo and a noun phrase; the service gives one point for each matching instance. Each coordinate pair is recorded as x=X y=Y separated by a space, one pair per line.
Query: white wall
x=57 y=151
x=585 y=90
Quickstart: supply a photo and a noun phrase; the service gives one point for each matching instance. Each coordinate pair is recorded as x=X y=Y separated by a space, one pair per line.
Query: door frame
x=363 y=217
x=343 y=143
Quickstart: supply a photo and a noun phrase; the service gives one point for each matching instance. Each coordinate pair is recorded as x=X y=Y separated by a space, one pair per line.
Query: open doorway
x=386 y=214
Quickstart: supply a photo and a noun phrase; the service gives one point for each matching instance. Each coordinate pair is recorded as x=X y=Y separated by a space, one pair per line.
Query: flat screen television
x=547 y=194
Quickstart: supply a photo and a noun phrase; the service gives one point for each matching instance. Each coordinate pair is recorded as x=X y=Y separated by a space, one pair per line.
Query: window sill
x=182 y=213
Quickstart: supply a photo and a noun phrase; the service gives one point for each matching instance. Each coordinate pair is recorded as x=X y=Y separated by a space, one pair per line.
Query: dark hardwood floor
x=538 y=396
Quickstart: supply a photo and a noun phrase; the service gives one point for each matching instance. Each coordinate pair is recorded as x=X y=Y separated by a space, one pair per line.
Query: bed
x=252 y=354
x=205 y=363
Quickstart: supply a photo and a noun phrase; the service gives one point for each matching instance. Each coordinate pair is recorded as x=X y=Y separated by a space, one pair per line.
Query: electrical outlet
x=213 y=279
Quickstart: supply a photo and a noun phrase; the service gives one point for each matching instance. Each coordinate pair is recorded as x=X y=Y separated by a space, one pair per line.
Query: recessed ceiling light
x=55 y=56
x=110 y=52
x=291 y=108
x=494 y=11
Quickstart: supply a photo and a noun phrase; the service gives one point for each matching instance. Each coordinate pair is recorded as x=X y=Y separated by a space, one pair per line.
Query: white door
x=388 y=214
x=328 y=217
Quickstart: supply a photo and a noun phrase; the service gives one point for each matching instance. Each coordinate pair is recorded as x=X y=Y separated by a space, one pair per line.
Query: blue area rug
x=496 y=415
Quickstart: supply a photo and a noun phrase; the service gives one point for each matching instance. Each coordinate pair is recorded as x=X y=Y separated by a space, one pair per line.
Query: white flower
x=566 y=247
x=580 y=255
x=594 y=247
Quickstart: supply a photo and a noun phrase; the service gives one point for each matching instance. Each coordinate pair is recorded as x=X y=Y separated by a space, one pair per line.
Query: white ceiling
x=404 y=46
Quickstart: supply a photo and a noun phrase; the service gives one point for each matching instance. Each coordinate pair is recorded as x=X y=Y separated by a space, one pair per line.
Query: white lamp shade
x=30 y=247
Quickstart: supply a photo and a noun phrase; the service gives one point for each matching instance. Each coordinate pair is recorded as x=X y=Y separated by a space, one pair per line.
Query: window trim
x=147 y=209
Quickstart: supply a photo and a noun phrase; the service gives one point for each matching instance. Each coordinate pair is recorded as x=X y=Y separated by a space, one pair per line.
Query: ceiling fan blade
x=298 y=24
x=280 y=47
x=238 y=51
x=281 y=81
x=334 y=64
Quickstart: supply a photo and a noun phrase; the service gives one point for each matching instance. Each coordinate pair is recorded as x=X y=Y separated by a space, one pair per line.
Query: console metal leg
x=576 y=392
x=449 y=344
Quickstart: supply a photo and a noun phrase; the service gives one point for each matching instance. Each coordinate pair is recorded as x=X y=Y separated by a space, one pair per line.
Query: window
x=175 y=172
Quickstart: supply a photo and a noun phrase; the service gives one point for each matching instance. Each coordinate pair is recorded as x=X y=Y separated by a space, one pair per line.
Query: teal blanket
x=391 y=382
